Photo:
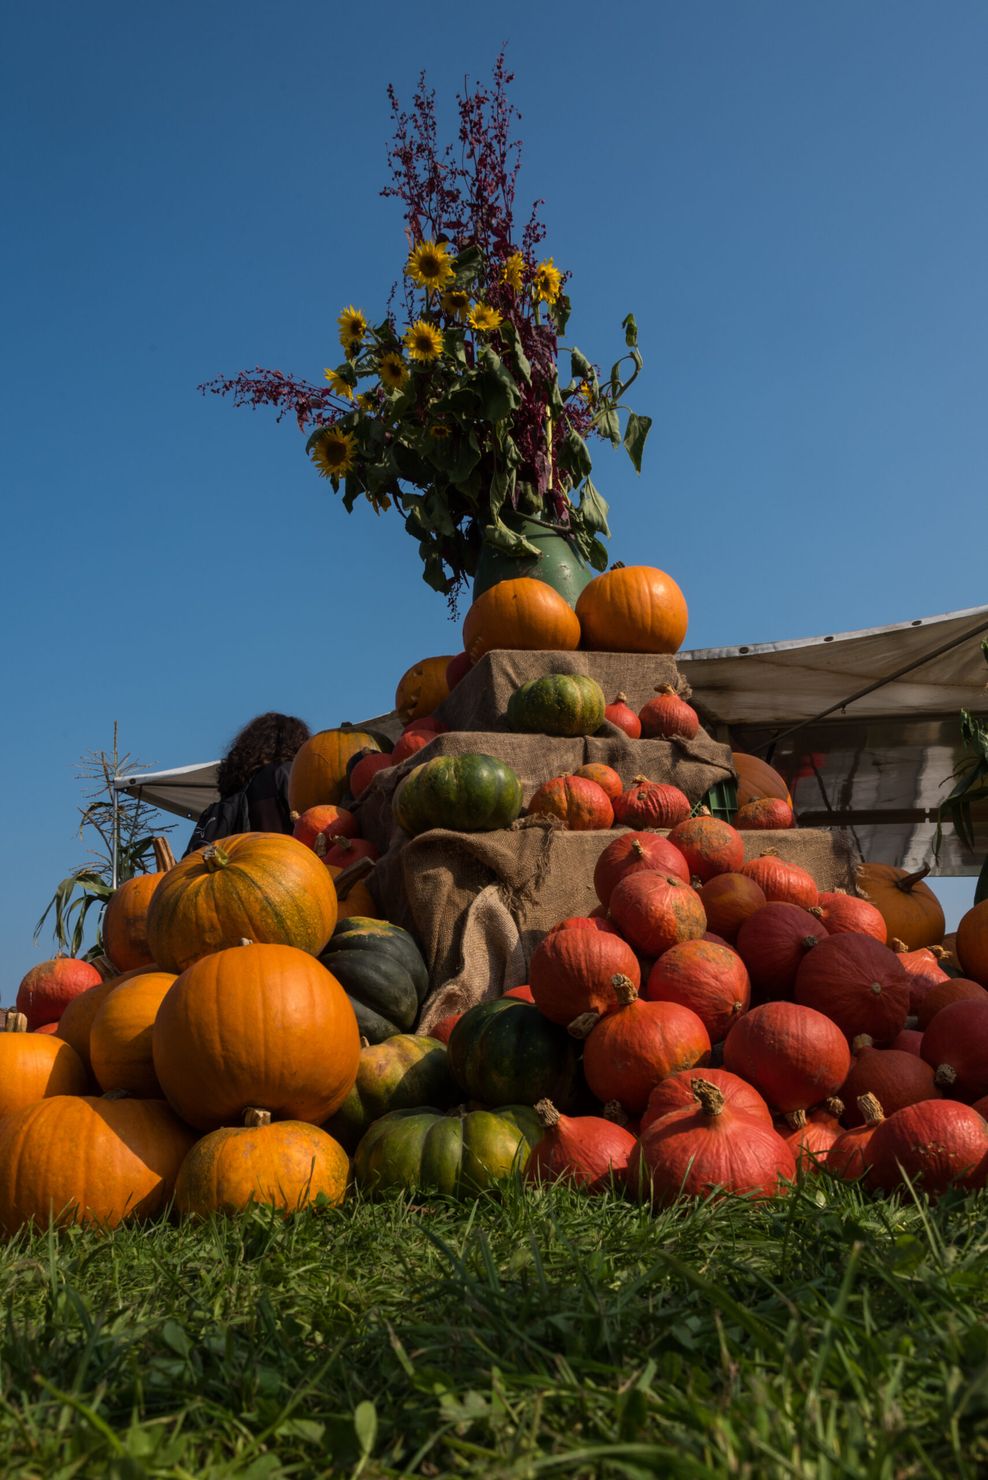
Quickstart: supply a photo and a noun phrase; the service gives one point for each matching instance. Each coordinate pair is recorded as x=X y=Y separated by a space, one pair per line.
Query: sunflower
x=439 y=431
x=353 y=327
x=424 y=341
x=586 y=392
x=547 y=281
x=333 y=452
x=513 y=270
x=367 y=401
x=392 y=370
x=429 y=265
x=484 y=318
x=338 y=385
x=456 y=303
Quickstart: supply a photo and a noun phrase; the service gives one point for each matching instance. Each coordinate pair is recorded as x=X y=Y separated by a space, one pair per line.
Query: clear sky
x=791 y=198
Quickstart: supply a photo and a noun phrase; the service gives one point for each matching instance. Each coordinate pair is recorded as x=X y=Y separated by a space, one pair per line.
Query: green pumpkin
x=460 y=1153
x=381 y=969
x=468 y=793
x=558 y=704
x=506 y=1053
x=404 y=1073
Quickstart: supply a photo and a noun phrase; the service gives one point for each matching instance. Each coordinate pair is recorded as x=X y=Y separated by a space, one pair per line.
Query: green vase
x=557 y=562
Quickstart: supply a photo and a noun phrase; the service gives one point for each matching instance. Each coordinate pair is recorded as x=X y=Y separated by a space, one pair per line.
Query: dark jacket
x=260 y=806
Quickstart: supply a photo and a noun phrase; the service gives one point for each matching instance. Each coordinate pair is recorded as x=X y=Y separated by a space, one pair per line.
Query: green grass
x=544 y=1334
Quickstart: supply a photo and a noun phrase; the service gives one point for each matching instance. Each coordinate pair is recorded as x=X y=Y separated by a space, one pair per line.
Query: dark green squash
x=558 y=704
x=506 y=1053
x=381 y=969
x=460 y=1153
x=468 y=793
x=404 y=1073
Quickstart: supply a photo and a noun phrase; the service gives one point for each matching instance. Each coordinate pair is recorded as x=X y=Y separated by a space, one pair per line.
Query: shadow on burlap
x=480 y=903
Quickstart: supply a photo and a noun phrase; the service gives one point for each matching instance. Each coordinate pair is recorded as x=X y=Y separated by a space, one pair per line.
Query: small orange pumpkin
x=255 y=886
x=633 y=609
x=256 y=1024
x=34 y=1066
x=124 y=928
x=120 y=1036
x=911 y=911
x=422 y=689
x=318 y=771
x=757 y=779
x=523 y=613
x=972 y=942
x=288 y=1165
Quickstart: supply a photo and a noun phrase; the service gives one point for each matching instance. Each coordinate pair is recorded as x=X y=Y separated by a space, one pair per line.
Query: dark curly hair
x=269 y=737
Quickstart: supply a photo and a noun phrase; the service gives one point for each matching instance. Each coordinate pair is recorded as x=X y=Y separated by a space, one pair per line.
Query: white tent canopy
x=863 y=725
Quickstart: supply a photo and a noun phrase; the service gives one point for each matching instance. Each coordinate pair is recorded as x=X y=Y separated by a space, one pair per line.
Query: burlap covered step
x=692 y=765
x=480 y=700
x=480 y=903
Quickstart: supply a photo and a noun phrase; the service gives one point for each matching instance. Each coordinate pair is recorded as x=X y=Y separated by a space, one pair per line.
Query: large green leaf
x=499 y=395
x=634 y=437
x=574 y=455
x=607 y=423
x=510 y=335
x=508 y=541
x=593 y=509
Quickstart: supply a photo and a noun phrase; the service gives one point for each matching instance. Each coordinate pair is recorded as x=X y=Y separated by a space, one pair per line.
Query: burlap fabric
x=479 y=903
x=480 y=699
x=692 y=765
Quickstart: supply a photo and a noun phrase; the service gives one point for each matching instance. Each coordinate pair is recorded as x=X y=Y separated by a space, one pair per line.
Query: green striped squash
x=404 y=1073
x=381 y=969
x=467 y=793
x=506 y=1053
x=459 y=1154
x=557 y=704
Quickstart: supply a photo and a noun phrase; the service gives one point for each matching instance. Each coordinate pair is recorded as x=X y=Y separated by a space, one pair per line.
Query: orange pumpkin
x=255 y=886
x=523 y=613
x=124 y=928
x=633 y=609
x=422 y=689
x=288 y=1164
x=120 y=1036
x=48 y=988
x=359 y=901
x=757 y=779
x=911 y=911
x=34 y=1066
x=972 y=943
x=318 y=771
x=256 y=1025
x=76 y=1021
x=85 y=1160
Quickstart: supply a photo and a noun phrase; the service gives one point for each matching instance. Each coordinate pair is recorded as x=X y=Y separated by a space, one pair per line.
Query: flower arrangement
x=452 y=410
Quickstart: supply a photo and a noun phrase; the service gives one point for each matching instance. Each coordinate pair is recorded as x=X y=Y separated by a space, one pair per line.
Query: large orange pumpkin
x=287 y=1164
x=36 y=1065
x=318 y=771
x=120 y=1036
x=85 y=1160
x=523 y=613
x=253 y=886
x=124 y=928
x=972 y=942
x=633 y=609
x=263 y=1025
x=422 y=689
x=911 y=911
x=757 y=779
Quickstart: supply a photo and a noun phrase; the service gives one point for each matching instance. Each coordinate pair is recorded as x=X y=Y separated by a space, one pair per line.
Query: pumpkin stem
x=945 y=1076
x=710 y=1098
x=618 y=565
x=364 y=1042
x=834 y=1106
x=624 y=989
x=164 y=858
x=583 y=1026
x=912 y=1022
x=214 y=857
x=243 y=941
x=861 y=1042
x=614 y=1111
x=906 y=883
x=15 y=1022
x=320 y=847
x=638 y=848
x=870 y=1108
x=665 y=688
x=294 y=816
x=105 y=967
x=899 y=946
x=939 y=952
x=796 y=1119
x=352 y=874
x=254 y=1117
x=620 y=698
x=547 y=1113
x=117 y=1094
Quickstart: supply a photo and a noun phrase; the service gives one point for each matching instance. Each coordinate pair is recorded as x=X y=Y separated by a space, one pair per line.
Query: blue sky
x=791 y=199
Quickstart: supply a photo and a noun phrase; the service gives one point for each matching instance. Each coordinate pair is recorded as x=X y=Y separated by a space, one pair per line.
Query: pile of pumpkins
x=712 y=1023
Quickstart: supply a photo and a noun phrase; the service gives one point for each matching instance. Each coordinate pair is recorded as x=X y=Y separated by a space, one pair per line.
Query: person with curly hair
x=253 y=781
